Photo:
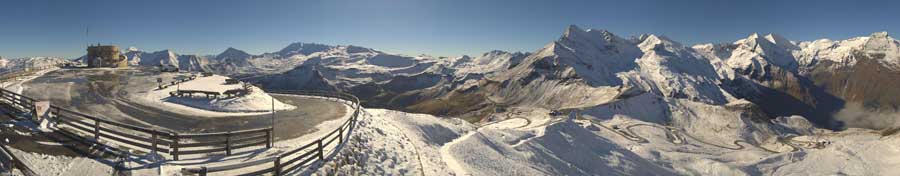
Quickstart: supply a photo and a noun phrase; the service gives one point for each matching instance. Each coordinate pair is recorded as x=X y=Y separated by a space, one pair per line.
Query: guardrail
x=220 y=142
x=295 y=159
x=92 y=130
x=8 y=161
x=19 y=102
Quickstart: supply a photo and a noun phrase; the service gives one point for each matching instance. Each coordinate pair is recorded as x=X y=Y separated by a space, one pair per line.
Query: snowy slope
x=529 y=142
x=679 y=71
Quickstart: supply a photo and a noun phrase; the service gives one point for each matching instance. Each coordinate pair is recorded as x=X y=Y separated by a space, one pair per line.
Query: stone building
x=105 y=56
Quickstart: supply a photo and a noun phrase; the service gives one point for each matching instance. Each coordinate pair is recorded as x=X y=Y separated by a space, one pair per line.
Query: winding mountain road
x=676 y=136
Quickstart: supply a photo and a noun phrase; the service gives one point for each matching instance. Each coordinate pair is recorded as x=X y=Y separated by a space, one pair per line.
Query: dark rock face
x=780 y=92
x=824 y=91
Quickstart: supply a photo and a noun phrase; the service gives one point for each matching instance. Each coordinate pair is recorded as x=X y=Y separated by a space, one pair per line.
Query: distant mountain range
x=588 y=69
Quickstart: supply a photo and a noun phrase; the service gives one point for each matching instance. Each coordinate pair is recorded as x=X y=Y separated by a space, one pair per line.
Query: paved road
x=105 y=93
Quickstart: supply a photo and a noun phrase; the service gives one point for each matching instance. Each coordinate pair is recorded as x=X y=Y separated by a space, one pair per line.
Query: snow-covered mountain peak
x=573 y=31
x=769 y=42
x=591 y=39
x=781 y=42
x=652 y=42
x=880 y=42
x=232 y=53
x=132 y=49
x=303 y=48
x=357 y=49
x=755 y=52
x=883 y=47
x=674 y=70
x=882 y=34
x=496 y=52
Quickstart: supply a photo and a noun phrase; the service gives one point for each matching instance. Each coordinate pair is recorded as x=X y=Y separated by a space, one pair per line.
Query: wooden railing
x=303 y=155
x=220 y=142
x=19 y=102
x=94 y=130
x=9 y=162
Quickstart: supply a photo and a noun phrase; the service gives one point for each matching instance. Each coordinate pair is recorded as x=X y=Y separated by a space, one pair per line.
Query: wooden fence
x=22 y=104
x=92 y=130
x=9 y=162
x=303 y=155
x=19 y=102
x=227 y=142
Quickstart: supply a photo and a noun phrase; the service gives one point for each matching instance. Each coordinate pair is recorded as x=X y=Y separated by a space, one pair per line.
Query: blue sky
x=412 y=27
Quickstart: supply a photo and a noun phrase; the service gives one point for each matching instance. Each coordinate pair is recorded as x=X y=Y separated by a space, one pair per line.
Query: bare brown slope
x=868 y=82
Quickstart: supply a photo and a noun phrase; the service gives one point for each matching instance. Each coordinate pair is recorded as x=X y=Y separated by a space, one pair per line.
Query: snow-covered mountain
x=594 y=103
x=590 y=68
x=583 y=69
x=586 y=68
x=304 y=49
x=166 y=57
x=9 y=64
x=816 y=79
x=232 y=54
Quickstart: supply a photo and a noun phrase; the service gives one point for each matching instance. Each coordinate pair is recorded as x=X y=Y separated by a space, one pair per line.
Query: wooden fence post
x=175 y=146
x=34 y=113
x=228 y=143
x=321 y=155
x=277 y=165
x=203 y=171
x=58 y=115
x=269 y=138
x=97 y=130
x=154 y=143
x=341 y=134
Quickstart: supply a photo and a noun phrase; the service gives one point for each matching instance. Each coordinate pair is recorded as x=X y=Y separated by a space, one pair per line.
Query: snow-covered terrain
x=530 y=142
x=13 y=64
x=257 y=101
x=590 y=103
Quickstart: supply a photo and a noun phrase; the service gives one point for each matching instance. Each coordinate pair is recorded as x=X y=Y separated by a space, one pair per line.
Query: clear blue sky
x=412 y=27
